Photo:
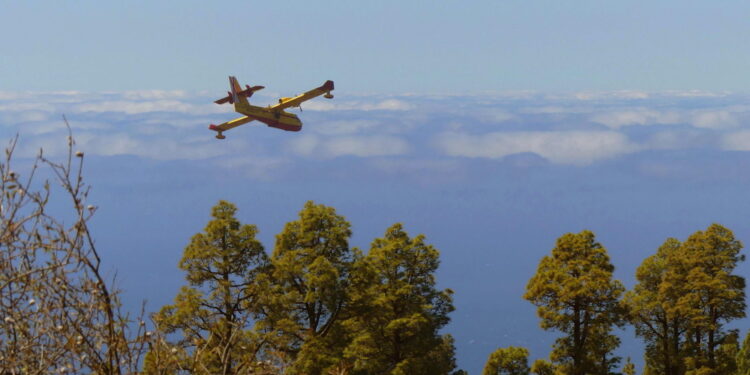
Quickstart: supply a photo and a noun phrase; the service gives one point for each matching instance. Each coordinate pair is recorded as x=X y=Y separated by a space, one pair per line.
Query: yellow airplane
x=273 y=115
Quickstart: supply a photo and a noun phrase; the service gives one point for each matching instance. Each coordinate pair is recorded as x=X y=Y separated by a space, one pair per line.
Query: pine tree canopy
x=575 y=294
x=214 y=313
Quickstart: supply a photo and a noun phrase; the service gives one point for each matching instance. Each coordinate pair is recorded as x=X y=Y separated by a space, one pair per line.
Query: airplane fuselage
x=275 y=119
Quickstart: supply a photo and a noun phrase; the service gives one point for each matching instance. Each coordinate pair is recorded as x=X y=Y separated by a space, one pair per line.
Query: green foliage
x=685 y=295
x=396 y=310
x=311 y=266
x=507 y=361
x=715 y=296
x=542 y=367
x=575 y=294
x=742 y=359
x=653 y=308
x=602 y=345
x=213 y=314
x=629 y=368
x=726 y=355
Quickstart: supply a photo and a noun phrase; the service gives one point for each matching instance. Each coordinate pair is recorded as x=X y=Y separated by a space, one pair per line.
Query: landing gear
x=220 y=136
x=328 y=95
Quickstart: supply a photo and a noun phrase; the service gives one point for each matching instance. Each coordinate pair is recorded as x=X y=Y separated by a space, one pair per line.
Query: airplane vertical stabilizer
x=240 y=100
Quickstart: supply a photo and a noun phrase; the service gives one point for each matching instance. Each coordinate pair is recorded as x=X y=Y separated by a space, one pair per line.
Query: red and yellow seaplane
x=273 y=115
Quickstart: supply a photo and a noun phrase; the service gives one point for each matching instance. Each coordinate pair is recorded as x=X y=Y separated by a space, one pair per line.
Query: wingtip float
x=273 y=115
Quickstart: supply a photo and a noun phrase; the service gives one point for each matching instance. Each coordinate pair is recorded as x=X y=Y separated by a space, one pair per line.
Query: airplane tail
x=237 y=95
x=236 y=89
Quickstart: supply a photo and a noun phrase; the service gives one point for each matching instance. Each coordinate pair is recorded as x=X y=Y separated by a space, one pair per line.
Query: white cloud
x=362 y=146
x=23 y=106
x=639 y=116
x=495 y=115
x=704 y=118
x=112 y=144
x=383 y=105
x=344 y=127
x=736 y=141
x=557 y=109
x=14 y=118
x=126 y=144
x=108 y=145
x=147 y=106
x=572 y=147
x=106 y=124
x=154 y=94
x=131 y=107
x=321 y=106
x=168 y=123
x=48 y=127
x=695 y=94
x=388 y=105
x=11 y=95
x=713 y=119
x=642 y=95
x=623 y=94
x=498 y=95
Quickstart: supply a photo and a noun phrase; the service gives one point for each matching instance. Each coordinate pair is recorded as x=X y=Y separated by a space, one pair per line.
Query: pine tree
x=508 y=361
x=575 y=294
x=685 y=295
x=726 y=354
x=542 y=367
x=715 y=295
x=743 y=357
x=601 y=344
x=652 y=308
x=311 y=264
x=397 y=310
x=214 y=313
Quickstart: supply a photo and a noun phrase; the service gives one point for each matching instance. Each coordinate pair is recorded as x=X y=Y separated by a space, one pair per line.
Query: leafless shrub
x=58 y=313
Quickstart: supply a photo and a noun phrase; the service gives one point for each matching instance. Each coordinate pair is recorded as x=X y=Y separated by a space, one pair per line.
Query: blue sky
x=491 y=127
x=383 y=46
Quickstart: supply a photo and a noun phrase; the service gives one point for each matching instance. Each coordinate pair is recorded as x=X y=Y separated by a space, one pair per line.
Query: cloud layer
x=572 y=129
x=571 y=147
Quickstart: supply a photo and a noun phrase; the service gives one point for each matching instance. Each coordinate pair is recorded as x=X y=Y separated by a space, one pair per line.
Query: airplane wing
x=230 y=124
x=297 y=100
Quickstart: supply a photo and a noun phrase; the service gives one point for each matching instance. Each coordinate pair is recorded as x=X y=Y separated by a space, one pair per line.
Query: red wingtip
x=328 y=86
x=212 y=127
